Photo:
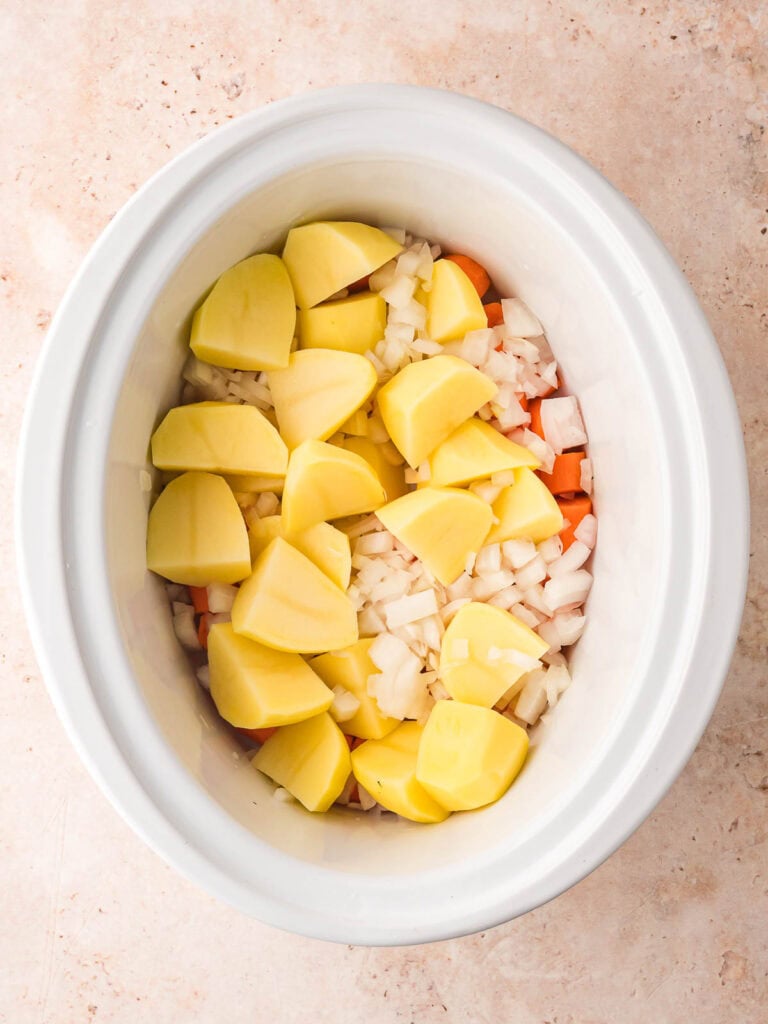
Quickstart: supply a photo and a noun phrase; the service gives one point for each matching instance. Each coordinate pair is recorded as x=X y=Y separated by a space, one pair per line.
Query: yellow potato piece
x=324 y=257
x=255 y=687
x=356 y=425
x=322 y=543
x=440 y=525
x=291 y=605
x=391 y=477
x=351 y=668
x=196 y=534
x=425 y=402
x=355 y=324
x=219 y=437
x=526 y=509
x=318 y=391
x=248 y=484
x=468 y=755
x=387 y=769
x=477 y=658
x=474 y=451
x=453 y=305
x=327 y=482
x=248 y=320
x=310 y=759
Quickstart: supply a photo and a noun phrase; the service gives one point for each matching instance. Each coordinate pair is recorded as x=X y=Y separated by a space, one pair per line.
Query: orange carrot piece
x=494 y=313
x=574 y=510
x=199 y=597
x=359 y=286
x=477 y=275
x=260 y=735
x=566 y=473
x=523 y=400
x=202 y=631
x=354 y=795
x=534 y=408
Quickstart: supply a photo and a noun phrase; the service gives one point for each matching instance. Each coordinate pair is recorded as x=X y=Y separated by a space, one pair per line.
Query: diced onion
x=586 y=531
x=345 y=704
x=221 y=597
x=533 y=697
x=519 y=320
x=570 y=588
x=517 y=553
x=562 y=423
x=570 y=560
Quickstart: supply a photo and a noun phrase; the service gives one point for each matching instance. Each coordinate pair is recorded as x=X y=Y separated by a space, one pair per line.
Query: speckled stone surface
x=670 y=100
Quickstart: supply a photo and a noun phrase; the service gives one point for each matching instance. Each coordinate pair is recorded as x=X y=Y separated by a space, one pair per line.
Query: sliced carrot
x=566 y=473
x=477 y=275
x=199 y=597
x=260 y=735
x=354 y=795
x=534 y=408
x=358 y=742
x=202 y=631
x=359 y=286
x=350 y=741
x=494 y=313
x=523 y=400
x=574 y=510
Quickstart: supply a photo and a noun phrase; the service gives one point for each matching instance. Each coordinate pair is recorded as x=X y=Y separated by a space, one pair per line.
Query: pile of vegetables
x=375 y=520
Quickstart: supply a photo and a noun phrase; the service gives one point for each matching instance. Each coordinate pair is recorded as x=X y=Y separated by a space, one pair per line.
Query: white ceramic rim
x=609 y=815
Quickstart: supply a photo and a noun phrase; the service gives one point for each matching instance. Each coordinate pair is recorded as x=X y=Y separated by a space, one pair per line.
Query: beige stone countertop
x=670 y=101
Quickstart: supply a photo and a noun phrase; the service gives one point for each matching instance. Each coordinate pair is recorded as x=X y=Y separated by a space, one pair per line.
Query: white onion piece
x=366 y=800
x=517 y=553
x=427 y=347
x=410 y=608
x=533 y=697
x=542 y=450
x=505 y=598
x=204 y=676
x=526 y=616
x=448 y=611
x=185 y=629
x=556 y=682
x=369 y=622
x=562 y=423
x=345 y=705
x=505 y=478
x=522 y=348
x=485 y=491
x=533 y=598
x=399 y=291
x=438 y=691
x=570 y=626
x=461 y=587
x=432 y=629
x=511 y=656
x=374 y=543
x=534 y=572
x=477 y=346
x=361 y=526
x=586 y=531
x=570 y=560
x=550 y=549
x=221 y=597
x=511 y=414
x=519 y=321
x=488 y=559
x=570 y=588
x=550 y=634
x=267 y=504
x=585 y=475
x=425 y=265
x=398 y=235
x=413 y=314
x=383 y=277
x=282 y=795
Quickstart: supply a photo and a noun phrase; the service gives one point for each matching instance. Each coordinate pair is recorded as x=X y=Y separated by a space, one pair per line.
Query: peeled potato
x=291 y=605
x=248 y=320
x=318 y=391
x=196 y=534
x=425 y=402
x=324 y=257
